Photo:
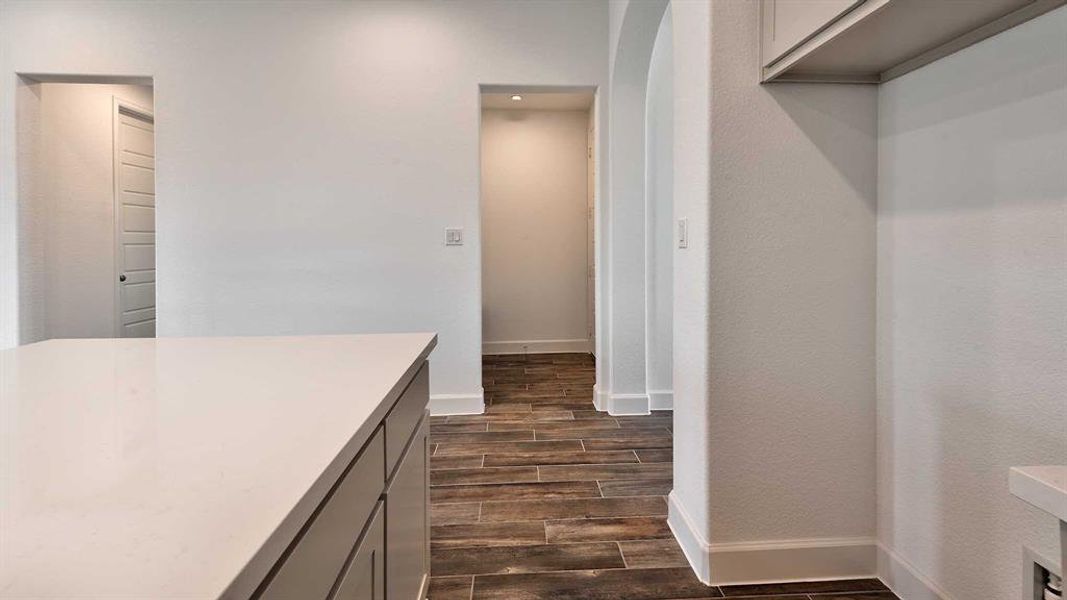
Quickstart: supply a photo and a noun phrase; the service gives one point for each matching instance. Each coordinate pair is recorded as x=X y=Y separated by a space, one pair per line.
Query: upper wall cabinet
x=871 y=41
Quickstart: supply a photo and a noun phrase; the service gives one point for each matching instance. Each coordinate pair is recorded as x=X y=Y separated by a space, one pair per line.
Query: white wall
x=309 y=158
x=688 y=501
x=659 y=237
x=790 y=416
x=972 y=303
x=72 y=176
x=534 y=231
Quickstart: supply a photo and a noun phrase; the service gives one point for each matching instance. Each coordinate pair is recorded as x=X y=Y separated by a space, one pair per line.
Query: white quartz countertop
x=178 y=467
x=1045 y=487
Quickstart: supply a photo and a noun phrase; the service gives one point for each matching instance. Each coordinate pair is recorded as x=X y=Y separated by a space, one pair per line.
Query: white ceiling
x=539 y=101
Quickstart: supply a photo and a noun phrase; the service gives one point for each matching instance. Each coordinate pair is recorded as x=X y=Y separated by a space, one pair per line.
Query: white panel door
x=135 y=221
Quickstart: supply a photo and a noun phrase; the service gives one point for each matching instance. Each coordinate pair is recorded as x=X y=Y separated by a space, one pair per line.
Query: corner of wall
x=457 y=404
x=628 y=404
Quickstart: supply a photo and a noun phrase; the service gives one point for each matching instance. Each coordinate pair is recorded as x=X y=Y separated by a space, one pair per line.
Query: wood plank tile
x=480 y=476
x=520 y=396
x=631 y=442
x=498 y=447
x=592 y=433
x=653 y=553
x=639 y=487
x=613 y=529
x=655 y=455
x=515 y=417
x=436 y=428
x=808 y=587
x=514 y=491
x=644 y=422
x=617 y=584
x=590 y=413
x=451 y=588
x=539 y=425
x=606 y=472
x=564 y=405
x=560 y=458
x=507 y=408
x=449 y=514
x=524 y=559
x=571 y=508
x=485 y=436
x=472 y=461
x=851 y=596
x=520 y=533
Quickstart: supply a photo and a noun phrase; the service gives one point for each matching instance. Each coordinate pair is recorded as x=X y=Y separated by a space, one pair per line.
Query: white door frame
x=120 y=105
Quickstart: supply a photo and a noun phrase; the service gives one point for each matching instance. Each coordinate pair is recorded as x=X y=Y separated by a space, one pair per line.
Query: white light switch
x=453 y=237
x=683 y=233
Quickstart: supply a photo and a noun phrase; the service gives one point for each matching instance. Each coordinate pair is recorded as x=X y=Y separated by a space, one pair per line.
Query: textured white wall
x=659 y=185
x=972 y=303
x=534 y=226
x=309 y=157
x=792 y=401
x=690 y=498
x=73 y=178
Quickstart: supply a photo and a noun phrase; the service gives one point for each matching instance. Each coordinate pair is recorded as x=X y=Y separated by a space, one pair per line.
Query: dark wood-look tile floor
x=544 y=497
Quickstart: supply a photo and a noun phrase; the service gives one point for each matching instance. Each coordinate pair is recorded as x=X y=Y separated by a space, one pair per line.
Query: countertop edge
x=1038 y=492
x=248 y=580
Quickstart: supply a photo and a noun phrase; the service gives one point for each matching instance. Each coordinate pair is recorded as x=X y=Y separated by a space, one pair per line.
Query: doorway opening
x=87 y=207
x=538 y=187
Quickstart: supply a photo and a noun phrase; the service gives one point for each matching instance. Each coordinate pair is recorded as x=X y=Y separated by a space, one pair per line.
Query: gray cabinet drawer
x=407 y=535
x=405 y=416
x=364 y=578
x=318 y=555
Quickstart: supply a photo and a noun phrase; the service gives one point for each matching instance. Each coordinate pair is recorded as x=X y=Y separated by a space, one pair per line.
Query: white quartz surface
x=1045 y=487
x=163 y=468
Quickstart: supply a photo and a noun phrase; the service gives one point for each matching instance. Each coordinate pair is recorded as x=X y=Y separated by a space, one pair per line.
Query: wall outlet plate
x=453 y=236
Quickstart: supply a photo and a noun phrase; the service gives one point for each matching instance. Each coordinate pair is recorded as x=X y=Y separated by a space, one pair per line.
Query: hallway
x=544 y=497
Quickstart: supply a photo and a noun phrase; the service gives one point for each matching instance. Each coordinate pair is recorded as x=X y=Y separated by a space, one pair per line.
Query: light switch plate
x=683 y=233
x=453 y=236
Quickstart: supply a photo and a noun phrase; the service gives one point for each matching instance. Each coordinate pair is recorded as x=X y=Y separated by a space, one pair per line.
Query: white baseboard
x=778 y=561
x=661 y=399
x=905 y=580
x=782 y=561
x=457 y=404
x=537 y=346
x=692 y=541
x=600 y=398
x=628 y=404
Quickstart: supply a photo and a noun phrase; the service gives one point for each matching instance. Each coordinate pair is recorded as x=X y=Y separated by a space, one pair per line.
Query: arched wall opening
x=637 y=192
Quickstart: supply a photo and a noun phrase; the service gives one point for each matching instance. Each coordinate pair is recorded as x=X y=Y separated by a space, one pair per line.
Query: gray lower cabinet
x=370 y=537
x=364 y=578
x=407 y=510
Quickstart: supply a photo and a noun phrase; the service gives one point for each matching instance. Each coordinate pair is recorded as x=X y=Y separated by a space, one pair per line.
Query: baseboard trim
x=905 y=580
x=628 y=404
x=695 y=547
x=778 y=561
x=537 y=346
x=600 y=399
x=782 y=561
x=661 y=399
x=457 y=404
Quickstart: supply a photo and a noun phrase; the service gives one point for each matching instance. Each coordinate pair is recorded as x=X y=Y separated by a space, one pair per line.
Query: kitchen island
x=256 y=467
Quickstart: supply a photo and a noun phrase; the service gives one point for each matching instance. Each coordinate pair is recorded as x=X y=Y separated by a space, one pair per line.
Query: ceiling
x=539 y=101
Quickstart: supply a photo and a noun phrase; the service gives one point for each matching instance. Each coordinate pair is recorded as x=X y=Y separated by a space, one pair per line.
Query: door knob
x=122 y=277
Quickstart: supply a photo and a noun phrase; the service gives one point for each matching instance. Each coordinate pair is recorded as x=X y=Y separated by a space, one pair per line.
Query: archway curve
x=621 y=345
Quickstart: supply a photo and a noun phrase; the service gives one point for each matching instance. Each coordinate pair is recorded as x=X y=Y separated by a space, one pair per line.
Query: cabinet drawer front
x=314 y=563
x=404 y=417
x=364 y=579
x=407 y=534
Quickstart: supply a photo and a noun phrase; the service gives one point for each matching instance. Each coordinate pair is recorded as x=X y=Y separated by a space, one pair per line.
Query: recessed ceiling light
x=516 y=97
